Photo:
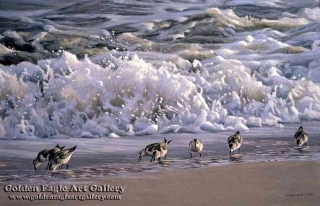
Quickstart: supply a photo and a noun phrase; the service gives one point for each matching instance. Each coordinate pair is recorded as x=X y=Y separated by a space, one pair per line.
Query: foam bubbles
x=206 y=69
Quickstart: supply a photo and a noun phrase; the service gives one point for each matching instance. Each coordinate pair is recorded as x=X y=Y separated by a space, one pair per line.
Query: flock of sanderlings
x=58 y=156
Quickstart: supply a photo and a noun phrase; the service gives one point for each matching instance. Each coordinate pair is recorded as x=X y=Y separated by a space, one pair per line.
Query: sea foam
x=213 y=70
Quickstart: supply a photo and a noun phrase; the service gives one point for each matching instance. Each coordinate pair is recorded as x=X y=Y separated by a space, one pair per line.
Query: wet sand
x=248 y=184
x=105 y=157
x=269 y=171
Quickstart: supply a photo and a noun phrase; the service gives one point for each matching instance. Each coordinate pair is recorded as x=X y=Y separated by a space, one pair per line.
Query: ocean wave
x=207 y=69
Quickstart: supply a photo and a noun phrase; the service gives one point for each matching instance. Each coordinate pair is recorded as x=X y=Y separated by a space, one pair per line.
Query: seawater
x=123 y=68
x=107 y=158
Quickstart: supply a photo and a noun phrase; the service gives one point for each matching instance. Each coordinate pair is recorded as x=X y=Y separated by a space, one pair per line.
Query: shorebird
x=234 y=142
x=301 y=137
x=195 y=145
x=44 y=155
x=61 y=158
x=151 y=148
x=160 y=150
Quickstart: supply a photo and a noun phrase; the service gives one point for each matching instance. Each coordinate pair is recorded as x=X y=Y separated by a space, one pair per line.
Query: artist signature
x=299 y=195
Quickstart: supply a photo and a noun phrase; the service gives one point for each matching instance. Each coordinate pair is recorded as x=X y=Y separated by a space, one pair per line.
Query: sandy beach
x=248 y=184
x=269 y=171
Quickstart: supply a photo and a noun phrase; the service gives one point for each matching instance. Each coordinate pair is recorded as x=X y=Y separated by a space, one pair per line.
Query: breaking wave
x=204 y=70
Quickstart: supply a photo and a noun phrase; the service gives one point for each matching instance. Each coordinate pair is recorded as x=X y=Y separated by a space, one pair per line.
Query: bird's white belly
x=235 y=147
x=163 y=153
x=64 y=161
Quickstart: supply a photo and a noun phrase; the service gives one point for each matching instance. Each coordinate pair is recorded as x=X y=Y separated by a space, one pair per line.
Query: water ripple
x=127 y=169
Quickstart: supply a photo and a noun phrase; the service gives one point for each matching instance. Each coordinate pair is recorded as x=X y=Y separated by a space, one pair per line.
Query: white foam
x=113 y=135
x=254 y=121
x=212 y=127
x=236 y=123
x=152 y=129
x=170 y=129
x=256 y=79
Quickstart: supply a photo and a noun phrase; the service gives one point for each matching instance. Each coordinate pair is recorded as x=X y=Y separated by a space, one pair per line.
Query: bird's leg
x=67 y=166
x=305 y=144
x=191 y=154
x=200 y=154
x=165 y=157
x=239 y=150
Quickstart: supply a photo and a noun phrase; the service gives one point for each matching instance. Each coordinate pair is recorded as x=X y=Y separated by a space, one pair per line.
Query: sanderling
x=160 y=150
x=195 y=145
x=61 y=158
x=149 y=150
x=234 y=142
x=44 y=155
x=301 y=137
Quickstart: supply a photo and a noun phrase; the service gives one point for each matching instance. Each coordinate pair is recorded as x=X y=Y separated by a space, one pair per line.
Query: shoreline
x=96 y=158
x=248 y=184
